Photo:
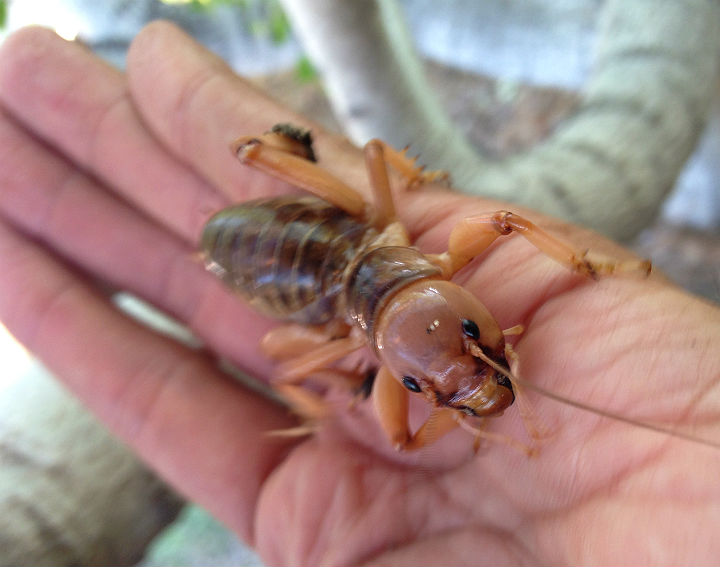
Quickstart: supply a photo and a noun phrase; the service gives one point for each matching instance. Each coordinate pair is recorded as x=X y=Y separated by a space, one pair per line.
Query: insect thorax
x=379 y=275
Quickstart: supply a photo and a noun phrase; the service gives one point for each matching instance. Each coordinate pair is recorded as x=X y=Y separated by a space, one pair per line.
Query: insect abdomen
x=286 y=255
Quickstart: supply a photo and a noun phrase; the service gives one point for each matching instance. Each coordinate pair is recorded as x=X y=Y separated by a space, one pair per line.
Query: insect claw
x=245 y=150
x=402 y=444
x=514 y=330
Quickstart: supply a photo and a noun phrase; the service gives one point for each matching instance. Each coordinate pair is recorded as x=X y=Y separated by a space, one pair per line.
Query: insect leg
x=473 y=235
x=308 y=405
x=440 y=422
x=391 y=405
x=286 y=137
x=412 y=173
x=534 y=427
x=376 y=164
x=277 y=159
x=378 y=155
x=293 y=339
x=390 y=399
x=481 y=434
x=313 y=407
x=306 y=353
x=301 y=366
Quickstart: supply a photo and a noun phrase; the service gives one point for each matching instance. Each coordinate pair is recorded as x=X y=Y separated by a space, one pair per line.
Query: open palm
x=109 y=178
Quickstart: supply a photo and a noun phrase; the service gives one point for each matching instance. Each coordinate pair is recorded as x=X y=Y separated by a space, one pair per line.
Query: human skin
x=106 y=180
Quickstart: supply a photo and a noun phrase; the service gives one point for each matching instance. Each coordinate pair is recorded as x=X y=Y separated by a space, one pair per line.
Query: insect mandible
x=344 y=275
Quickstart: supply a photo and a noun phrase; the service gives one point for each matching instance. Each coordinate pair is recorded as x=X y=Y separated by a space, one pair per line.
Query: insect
x=344 y=275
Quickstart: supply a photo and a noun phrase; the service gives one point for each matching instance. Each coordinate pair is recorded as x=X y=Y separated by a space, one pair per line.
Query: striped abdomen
x=286 y=255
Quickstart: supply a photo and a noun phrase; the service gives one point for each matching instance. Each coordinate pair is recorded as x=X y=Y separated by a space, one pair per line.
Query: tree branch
x=373 y=77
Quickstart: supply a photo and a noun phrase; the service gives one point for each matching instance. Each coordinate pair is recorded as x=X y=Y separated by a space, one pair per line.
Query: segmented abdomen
x=287 y=255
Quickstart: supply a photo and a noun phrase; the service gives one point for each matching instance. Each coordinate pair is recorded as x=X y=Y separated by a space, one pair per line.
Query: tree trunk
x=608 y=167
x=70 y=494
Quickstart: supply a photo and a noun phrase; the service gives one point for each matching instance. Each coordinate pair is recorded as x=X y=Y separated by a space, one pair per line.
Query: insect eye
x=411 y=384
x=470 y=329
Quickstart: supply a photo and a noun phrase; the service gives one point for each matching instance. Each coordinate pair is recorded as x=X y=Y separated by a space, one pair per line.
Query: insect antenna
x=514 y=379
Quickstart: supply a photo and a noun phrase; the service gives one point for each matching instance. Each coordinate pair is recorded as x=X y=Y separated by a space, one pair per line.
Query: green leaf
x=279 y=24
x=199 y=6
x=304 y=70
x=3 y=13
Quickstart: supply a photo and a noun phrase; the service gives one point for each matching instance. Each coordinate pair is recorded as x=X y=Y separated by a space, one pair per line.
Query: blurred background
x=509 y=76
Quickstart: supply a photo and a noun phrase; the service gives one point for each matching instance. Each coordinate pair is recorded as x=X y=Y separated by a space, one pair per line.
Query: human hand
x=109 y=178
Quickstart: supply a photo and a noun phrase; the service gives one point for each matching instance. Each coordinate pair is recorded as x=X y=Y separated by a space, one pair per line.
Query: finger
x=81 y=106
x=49 y=199
x=202 y=432
x=191 y=99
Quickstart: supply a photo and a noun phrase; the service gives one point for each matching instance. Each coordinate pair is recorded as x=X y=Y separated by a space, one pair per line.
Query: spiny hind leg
x=473 y=235
x=413 y=174
x=378 y=156
x=286 y=153
x=376 y=163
